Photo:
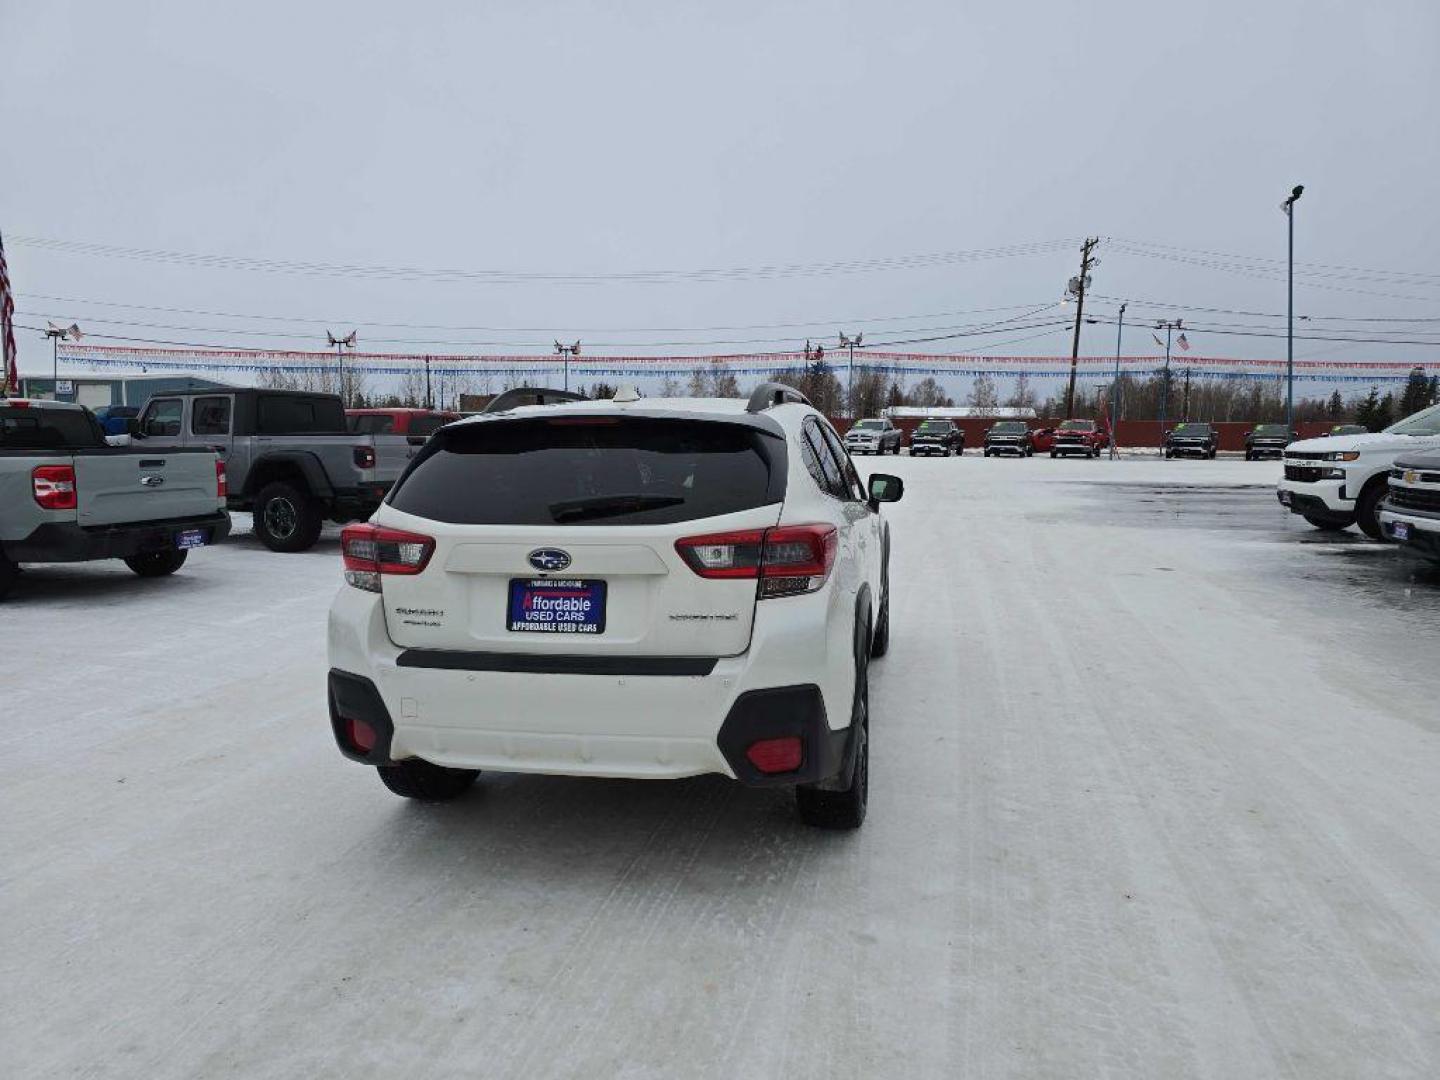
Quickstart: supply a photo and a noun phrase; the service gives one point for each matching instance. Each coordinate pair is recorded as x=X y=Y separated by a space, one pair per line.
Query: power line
x=1166 y=305
x=518 y=277
x=1277 y=263
x=319 y=321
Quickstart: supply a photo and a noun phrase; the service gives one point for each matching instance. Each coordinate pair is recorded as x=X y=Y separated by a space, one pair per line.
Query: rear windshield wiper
x=609 y=506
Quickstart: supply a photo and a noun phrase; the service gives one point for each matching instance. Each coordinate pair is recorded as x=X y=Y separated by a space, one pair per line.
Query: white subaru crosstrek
x=629 y=588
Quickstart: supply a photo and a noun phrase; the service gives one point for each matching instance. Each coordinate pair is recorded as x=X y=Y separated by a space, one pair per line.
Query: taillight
x=222 y=485
x=365 y=457
x=370 y=551
x=54 y=487
x=788 y=560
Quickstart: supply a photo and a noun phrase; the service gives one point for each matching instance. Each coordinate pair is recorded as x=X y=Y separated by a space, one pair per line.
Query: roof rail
x=530 y=395
x=769 y=394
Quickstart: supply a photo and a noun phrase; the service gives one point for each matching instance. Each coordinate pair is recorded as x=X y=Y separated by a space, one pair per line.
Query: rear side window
x=47 y=429
x=210 y=416
x=277 y=414
x=592 y=471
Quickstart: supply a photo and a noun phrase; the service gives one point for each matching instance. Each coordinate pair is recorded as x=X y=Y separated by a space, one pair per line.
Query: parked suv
x=1268 y=440
x=68 y=496
x=1194 y=439
x=1009 y=437
x=627 y=588
x=943 y=437
x=1338 y=481
x=873 y=437
x=292 y=460
x=1410 y=513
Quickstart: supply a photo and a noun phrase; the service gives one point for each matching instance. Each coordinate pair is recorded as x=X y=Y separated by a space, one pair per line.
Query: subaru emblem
x=549 y=560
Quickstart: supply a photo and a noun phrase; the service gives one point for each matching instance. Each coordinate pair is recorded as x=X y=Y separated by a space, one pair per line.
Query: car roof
x=730 y=410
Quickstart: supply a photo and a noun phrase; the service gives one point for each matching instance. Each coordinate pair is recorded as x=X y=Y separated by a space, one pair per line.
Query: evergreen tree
x=1365 y=411
x=1335 y=409
x=1418 y=393
x=1384 y=413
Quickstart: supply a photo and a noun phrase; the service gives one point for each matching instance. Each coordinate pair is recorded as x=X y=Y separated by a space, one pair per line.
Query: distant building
x=93 y=391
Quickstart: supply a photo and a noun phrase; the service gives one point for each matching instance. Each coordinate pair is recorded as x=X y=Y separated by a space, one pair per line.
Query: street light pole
x=57 y=334
x=1115 y=387
x=1289 y=207
x=850 y=343
x=1169 y=326
x=341 y=344
x=566 y=352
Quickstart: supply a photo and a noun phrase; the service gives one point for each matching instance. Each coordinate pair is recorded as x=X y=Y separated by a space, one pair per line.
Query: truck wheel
x=416 y=779
x=1367 y=508
x=286 y=519
x=9 y=573
x=844 y=809
x=1328 y=524
x=1054 y=454
x=157 y=563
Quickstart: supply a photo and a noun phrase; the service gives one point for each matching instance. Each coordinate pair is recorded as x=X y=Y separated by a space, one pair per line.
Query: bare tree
x=982 y=394
x=1023 y=396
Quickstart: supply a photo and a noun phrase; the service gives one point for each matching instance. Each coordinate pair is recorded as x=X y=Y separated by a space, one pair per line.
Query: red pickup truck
x=1086 y=437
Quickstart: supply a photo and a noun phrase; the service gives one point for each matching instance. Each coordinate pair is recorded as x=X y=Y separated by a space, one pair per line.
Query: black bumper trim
x=1314 y=506
x=533 y=664
x=356 y=698
x=66 y=541
x=775 y=714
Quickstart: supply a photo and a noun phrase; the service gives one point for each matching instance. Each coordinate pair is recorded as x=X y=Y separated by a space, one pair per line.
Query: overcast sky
x=607 y=138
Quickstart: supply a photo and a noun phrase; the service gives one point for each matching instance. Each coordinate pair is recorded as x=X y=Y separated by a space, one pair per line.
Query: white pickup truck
x=1411 y=513
x=1339 y=481
x=68 y=496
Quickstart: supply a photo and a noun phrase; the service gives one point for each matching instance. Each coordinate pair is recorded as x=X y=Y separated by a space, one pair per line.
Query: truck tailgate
x=120 y=486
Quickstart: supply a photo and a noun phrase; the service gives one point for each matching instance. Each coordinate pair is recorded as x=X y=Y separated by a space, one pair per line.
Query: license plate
x=556 y=606
x=1284 y=498
x=1400 y=530
x=192 y=538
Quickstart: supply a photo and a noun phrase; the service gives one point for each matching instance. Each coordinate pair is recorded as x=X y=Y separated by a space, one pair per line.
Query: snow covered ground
x=1154 y=794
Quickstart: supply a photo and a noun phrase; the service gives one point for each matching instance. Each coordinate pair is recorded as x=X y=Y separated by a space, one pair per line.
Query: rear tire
x=157 y=563
x=1054 y=454
x=9 y=574
x=286 y=518
x=420 y=780
x=1328 y=525
x=845 y=809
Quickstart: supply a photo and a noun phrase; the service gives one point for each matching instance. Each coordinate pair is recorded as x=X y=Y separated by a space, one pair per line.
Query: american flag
x=1183 y=343
x=9 y=372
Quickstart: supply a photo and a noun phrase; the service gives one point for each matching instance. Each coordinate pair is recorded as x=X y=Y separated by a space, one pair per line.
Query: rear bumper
x=648 y=718
x=1423 y=537
x=60 y=541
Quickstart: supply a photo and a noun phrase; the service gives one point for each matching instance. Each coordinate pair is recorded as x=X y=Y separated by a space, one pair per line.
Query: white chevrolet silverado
x=1339 y=481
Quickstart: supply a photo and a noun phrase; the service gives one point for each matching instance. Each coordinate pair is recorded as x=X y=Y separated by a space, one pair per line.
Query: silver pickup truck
x=68 y=496
x=291 y=458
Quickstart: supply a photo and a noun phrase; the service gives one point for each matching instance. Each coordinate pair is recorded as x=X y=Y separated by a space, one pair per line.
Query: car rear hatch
x=117 y=487
x=557 y=535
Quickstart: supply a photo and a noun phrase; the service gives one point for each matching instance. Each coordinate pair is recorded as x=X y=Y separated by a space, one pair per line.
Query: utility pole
x=1187 y=395
x=1289 y=207
x=340 y=344
x=1077 y=288
x=429 y=401
x=567 y=352
x=850 y=343
x=1115 y=393
x=57 y=334
x=1169 y=326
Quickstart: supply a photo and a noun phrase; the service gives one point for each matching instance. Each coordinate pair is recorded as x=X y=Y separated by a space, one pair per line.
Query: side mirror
x=132 y=428
x=885 y=488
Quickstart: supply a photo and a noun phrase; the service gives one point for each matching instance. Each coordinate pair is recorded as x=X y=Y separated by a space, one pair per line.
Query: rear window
x=277 y=414
x=428 y=425
x=584 y=471
x=373 y=424
x=47 y=429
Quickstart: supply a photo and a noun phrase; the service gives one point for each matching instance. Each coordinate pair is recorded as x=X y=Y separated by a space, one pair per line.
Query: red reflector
x=360 y=734
x=777 y=755
x=222 y=485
